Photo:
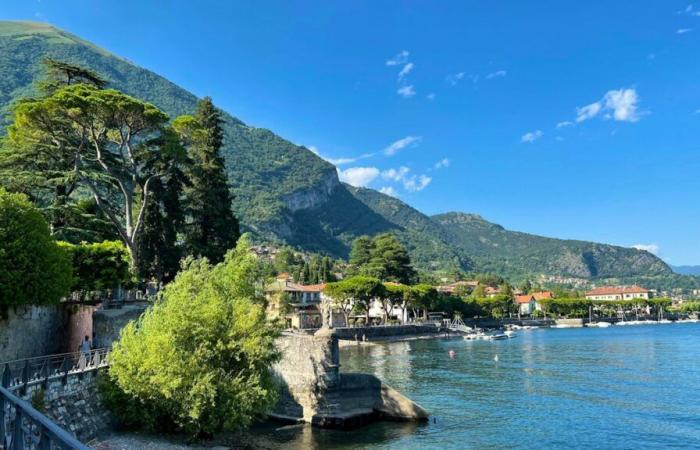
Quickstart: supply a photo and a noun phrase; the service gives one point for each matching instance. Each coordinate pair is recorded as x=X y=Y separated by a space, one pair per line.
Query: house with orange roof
x=613 y=293
x=297 y=303
x=529 y=303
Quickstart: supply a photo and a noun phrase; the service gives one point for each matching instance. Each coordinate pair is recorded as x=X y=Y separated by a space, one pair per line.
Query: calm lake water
x=622 y=388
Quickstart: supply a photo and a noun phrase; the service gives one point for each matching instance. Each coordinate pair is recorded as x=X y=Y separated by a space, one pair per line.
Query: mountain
x=286 y=193
x=686 y=270
x=495 y=249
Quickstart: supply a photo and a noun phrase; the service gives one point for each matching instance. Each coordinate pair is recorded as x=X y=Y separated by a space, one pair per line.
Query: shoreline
x=402 y=338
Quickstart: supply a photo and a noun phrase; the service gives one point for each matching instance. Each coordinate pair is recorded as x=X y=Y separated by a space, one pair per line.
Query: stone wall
x=314 y=390
x=108 y=323
x=29 y=330
x=372 y=333
x=72 y=403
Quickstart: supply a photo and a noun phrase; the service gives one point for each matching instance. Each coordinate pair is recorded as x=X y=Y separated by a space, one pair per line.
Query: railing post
x=25 y=377
x=17 y=443
x=65 y=367
x=6 y=376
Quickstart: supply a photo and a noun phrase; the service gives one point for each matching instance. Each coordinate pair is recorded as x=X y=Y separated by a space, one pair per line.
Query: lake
x=626 y=387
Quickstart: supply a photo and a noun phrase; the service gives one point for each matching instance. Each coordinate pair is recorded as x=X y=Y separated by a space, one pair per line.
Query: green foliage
x=201 y=355
x=38 y=400
x=357 y=292
x=382 y=257
x=210 y=229
x=98 y=266
x=517 y=255
x=266 y=172
x=33 y=268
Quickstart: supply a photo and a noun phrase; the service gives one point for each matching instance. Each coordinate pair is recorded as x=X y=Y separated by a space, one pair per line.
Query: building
x=491 y=292
x=297 y=303
x=529 y=303
x=613 y=293
x=450 y=289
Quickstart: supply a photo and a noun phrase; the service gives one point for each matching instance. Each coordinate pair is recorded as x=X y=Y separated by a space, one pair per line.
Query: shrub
x=33 y=268
x=199 y=359
x=98 y=266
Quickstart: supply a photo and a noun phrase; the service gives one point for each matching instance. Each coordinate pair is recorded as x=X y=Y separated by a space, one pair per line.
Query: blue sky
x=568 y=119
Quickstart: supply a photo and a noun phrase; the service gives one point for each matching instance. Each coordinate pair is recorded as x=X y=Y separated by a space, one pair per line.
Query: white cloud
x=532 y=136
x=564 y=124
x=620 y=104
x=651 y=248
x=623 y=103
x=395 y=174
x=683 y=30
x=415 y=184
x=406 y=70
x=389 y=190
x=430 y=96
x=496 y=74
x=588 y=111
x=453 y=79
x=399 y=145
x=406 y=91
x=689 y=11
x=444 y=162
x=398 y=59
x=358 y=176
x=342 y=160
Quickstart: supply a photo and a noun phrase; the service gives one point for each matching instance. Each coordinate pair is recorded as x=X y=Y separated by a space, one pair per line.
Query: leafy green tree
x=361 y=251
x=97 y=266
x=422 y=298
x=389 y=254
x=46 y=172
x=110 y=140
x=33 y=268
x=395 y=294
x=201 y=356
x=159 y=249
x=211 y=227
x=358 y=291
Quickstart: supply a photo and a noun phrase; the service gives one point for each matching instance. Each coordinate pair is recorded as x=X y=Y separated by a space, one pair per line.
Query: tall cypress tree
x=211 y=227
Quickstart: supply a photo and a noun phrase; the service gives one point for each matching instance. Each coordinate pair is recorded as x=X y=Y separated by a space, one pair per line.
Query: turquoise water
x=620 y=388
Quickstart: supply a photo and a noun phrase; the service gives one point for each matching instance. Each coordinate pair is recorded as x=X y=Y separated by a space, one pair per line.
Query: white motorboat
x=600 y=324
x=510 y=333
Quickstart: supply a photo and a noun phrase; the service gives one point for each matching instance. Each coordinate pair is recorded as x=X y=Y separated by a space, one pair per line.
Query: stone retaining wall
x=372 y=333
x=74 y=406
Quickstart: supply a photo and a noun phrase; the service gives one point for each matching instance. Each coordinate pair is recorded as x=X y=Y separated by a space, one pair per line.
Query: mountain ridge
x=285 y=193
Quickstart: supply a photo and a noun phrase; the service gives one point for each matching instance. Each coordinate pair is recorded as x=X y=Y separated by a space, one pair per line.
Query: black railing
x=18 y=375
x=23 y=427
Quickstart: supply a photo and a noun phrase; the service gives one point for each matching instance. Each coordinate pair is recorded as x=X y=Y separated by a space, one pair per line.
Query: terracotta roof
x=522 y=299
x=617 y=290
x=311 y=287
x=542 y=295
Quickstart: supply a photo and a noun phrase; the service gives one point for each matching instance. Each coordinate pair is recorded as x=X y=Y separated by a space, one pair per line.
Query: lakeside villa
x=529 y=303
x=618 y=293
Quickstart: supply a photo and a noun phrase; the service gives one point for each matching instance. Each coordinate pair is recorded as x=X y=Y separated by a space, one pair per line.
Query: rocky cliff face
x=314 y=196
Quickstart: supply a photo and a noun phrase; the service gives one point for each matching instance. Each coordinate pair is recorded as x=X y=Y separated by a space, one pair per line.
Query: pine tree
x=211 y=227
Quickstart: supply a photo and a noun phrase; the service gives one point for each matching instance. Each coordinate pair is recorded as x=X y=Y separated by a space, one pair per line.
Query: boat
x=510 y=333
x=600 y=324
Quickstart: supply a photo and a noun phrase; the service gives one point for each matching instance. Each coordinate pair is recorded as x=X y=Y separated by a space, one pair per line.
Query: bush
x=98 y=266
x=33 y=268
x=199 y=359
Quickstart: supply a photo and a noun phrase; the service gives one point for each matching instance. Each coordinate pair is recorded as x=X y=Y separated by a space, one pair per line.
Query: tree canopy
x=33 y=268
x=200 y=357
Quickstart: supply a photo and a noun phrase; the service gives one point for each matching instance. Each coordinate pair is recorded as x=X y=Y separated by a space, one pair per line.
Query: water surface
x=622 y=388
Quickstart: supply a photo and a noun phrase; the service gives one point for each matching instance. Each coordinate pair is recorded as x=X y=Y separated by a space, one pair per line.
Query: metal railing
x=18 y=375
x=23 y=427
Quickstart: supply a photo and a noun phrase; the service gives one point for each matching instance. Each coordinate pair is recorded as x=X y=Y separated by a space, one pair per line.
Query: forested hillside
x=286 y=193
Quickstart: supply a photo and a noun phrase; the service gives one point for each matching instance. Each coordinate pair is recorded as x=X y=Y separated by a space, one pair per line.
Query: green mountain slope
x=264 y=168
x=498 y=250
x=285 y=192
